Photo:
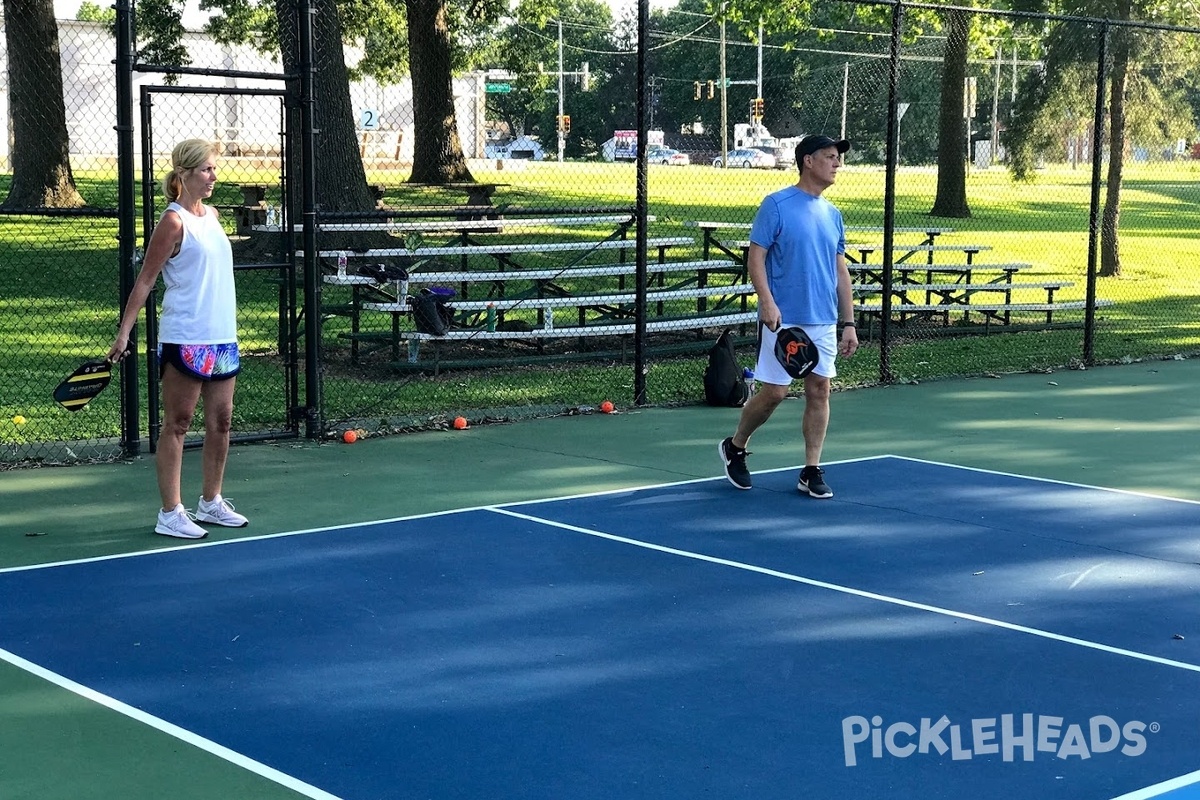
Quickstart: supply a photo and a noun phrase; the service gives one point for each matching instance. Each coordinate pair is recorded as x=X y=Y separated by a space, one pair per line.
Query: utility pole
x=724 y=98
x=845 y=96
x=562 y=139
x=758 y=86
x=996 y=109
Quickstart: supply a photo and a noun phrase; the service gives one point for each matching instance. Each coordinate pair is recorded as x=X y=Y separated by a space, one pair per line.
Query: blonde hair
x=188 y=154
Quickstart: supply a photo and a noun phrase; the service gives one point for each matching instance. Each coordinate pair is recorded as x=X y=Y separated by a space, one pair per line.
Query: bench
x=957 y=296
x=416 y=338
x=711 y=240
x=505 y=254
x=475 y=225
x=909 y=250
x=521 y=280
x=252 y=213
x=500 y=250
x=962 y=273
x=623 y=302
x=546 y=291
x=991 y=312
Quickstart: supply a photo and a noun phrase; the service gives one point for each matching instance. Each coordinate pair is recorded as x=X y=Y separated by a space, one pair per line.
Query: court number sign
x=369 y=119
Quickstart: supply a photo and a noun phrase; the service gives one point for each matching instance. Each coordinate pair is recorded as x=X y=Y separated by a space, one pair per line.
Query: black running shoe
x=812 y=483
x=734 y=459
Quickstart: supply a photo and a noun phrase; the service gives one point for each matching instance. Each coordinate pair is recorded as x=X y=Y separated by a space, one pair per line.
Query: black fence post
x=126 y=209
x=1089 y=312
x=640 y=275
x=314 y=400
x=889 y=193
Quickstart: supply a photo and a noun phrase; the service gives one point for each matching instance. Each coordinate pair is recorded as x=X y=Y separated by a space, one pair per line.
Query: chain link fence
x=482 y=242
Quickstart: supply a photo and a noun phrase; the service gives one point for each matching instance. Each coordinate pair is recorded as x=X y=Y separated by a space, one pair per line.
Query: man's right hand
x=768 y=312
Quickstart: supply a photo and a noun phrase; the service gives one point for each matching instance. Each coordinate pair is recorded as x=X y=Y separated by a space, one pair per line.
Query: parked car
x=747 y=158
x=785 y=158
x=665 y=155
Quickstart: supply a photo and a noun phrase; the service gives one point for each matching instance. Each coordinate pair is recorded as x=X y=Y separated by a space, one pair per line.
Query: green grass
x=58 y=293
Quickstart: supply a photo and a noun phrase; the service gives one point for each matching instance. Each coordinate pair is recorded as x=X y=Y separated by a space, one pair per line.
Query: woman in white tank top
x=198 y=335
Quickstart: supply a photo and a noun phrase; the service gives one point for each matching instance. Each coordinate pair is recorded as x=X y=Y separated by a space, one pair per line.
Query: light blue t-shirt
x=802 y=235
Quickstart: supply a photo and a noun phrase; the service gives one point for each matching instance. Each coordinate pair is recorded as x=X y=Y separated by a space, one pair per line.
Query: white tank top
x=199 y=305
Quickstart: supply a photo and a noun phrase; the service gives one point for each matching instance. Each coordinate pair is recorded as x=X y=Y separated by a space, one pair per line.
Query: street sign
x=497 y=88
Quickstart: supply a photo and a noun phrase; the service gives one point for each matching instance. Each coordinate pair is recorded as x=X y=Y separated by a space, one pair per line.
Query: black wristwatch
x=844 y=325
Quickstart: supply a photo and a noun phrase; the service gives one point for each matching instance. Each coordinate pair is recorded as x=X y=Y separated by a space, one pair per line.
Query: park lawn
x=59 y=301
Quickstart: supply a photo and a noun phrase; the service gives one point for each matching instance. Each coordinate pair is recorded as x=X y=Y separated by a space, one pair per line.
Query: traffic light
x=565 y=123
x=712 y=89
x=756 y=108
x=696 y=92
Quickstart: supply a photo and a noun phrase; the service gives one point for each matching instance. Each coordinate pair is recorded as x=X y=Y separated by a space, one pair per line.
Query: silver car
x=746 y=158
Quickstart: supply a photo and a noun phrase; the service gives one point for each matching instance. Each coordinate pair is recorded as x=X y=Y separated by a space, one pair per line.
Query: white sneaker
x=178 y=523
x=220 y=512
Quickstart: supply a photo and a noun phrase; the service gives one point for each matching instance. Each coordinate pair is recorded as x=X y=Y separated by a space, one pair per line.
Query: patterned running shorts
x=207 y=362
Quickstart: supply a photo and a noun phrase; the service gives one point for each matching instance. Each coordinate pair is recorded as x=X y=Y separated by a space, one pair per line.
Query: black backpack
x=724 y=384
x=431 y=313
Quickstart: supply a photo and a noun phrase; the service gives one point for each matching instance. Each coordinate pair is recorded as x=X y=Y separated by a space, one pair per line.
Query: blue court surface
x=930 y=632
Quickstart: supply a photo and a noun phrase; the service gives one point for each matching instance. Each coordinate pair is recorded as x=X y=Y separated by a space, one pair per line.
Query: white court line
x=898 y=601
x=318 y=794
x=1147 y=495
x=389 y=520
x=184 y=735
x=1159 y=789
x=578 y=496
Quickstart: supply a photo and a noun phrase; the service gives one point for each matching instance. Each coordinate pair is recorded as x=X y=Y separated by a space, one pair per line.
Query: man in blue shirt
x=797 y=263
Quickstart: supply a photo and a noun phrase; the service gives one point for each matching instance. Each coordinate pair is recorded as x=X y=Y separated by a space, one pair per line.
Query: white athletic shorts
x=769 y=370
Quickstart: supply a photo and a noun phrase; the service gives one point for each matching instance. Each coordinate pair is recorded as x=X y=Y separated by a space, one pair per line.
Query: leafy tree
x=961 y=29
x=426 y=39
x=1138 y=62
x=41 y=155
x=528 y=47
x=90 y=12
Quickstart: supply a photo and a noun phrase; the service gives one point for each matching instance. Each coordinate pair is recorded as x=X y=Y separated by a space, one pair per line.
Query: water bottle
x=341 y=264
x=272 y=217
x=491 y=317
x=748 y=374
x=549 y=318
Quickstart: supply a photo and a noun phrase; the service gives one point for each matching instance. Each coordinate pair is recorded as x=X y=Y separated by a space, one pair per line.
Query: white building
x=248 y=124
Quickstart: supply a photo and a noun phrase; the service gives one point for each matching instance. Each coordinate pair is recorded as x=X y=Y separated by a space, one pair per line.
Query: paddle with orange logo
x=795 y=351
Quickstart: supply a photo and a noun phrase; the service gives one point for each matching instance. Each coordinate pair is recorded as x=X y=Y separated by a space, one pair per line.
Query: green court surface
x=1130 y=427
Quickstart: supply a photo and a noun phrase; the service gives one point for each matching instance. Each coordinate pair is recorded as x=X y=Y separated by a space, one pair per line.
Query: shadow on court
x=991 y=636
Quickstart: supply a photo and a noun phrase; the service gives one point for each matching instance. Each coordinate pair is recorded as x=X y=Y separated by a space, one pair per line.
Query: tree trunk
x=341 y=178
x=437 y=151
x=41 y=152
x=951 y=200
x=1110 y=251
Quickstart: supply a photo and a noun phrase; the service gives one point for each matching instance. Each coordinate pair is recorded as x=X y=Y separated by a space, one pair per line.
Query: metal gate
x=253 y=197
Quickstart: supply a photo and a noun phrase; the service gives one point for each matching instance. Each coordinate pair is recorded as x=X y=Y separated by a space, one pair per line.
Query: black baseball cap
x=816 y=141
